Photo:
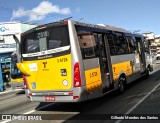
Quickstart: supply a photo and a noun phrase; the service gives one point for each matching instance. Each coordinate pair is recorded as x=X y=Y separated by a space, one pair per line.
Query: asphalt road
x=141 y=97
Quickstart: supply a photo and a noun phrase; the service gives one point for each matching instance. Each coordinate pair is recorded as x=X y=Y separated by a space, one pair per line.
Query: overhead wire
x=55 y=16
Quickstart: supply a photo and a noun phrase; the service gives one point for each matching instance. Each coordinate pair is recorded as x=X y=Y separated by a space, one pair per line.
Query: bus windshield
x=15 y=73
x=48 y=38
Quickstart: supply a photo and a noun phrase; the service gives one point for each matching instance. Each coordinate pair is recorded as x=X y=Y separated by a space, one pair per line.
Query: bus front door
x=141 y=55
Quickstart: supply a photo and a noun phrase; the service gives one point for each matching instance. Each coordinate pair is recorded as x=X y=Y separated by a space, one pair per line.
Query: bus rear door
x=105 y=62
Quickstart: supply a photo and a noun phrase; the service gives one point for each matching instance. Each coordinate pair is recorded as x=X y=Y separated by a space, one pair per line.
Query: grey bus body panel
x=91 y=63
x=76 y=57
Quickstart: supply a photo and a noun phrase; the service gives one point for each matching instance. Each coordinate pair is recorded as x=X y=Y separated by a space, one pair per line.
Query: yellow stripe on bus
x=17 y=80
x=93 y=79
x=122 y=67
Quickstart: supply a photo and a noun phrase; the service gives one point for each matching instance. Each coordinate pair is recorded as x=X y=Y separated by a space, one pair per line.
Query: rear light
x=25 y=82
x=18 y=87
x=75 y=97
x=65 y=22
x=41 y=27
x=77 y=76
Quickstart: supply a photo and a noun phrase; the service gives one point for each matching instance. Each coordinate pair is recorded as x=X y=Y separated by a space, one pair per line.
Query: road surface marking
x=45 y=106
x=137 y=104
x=8 y=91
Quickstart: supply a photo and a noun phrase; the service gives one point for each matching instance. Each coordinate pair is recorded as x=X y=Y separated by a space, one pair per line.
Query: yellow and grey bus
x=69 y=61
x=15 y=74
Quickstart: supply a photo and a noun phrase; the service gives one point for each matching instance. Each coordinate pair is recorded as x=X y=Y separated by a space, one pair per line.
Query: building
x=150 y=37
x=157 y=39
x=8 y=44
x=154 y=41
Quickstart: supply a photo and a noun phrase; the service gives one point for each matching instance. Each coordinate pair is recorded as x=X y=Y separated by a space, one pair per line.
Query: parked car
x=158 y=56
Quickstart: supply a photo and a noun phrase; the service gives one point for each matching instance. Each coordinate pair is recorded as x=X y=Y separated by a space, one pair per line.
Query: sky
x=133 y=15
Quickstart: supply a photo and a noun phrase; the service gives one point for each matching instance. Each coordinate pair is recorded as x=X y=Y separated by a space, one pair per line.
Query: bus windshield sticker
x=63 y=72
x=42 y=34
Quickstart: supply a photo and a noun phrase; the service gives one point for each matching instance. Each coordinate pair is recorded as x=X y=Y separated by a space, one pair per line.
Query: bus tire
x=121 y=84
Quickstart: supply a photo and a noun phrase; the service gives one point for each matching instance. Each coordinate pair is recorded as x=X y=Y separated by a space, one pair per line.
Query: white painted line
x=29 y=112
x=137 y=104
x=8 y=91
x=6 y=121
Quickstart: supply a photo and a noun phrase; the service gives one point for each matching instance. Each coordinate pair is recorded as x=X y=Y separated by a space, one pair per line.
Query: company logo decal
x=3 y=29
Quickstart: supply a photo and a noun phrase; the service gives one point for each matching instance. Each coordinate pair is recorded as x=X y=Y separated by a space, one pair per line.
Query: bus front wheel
x=147 y=73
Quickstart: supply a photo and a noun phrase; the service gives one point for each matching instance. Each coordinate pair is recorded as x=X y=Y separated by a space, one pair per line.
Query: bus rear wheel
x=121 y=85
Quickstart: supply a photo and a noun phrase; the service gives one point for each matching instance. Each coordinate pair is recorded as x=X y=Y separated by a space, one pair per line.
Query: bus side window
x=121 y=44
x=146 y=45
x=97 y=45
x=111 y=43
x=87 y=44
x=101 y=45
x=132 y=44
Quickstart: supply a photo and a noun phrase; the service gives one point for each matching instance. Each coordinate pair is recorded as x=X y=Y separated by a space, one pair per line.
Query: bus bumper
x=17 y=85
x=76 y=95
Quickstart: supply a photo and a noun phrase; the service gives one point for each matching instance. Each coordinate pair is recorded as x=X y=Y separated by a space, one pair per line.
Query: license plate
x=18 y=87
x=49 y=98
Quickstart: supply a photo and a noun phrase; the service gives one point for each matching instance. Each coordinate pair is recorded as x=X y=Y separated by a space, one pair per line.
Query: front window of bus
x=15 y=73
x=48 y=38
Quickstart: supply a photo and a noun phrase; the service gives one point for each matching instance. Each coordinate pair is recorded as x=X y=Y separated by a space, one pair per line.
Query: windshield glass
x=45 y=39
